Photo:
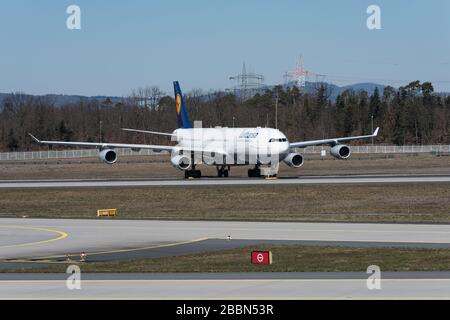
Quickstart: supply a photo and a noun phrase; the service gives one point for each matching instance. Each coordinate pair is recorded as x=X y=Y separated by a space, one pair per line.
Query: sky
x=125 y=45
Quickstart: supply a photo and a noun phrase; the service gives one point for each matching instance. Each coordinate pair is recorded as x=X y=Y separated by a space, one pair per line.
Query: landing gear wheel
x=254 y=173
x=192 y=174
x=222 y=172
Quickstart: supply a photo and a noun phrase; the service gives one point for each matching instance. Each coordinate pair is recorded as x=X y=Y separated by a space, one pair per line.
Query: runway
x=209 y=181
x=226 y=288
x=44 y=238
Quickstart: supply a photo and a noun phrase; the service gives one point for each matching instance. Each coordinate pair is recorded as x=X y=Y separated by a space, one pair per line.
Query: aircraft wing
x=106 y=145
x=331 y=142
x=152 y=132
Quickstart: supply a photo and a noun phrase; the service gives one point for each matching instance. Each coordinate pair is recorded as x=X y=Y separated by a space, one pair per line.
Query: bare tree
x=147 y=97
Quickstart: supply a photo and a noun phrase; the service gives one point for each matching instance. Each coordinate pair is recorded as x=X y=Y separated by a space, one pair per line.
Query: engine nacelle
x=294 y=160
x=108 y=156
x=340 y=151
x=181 y=162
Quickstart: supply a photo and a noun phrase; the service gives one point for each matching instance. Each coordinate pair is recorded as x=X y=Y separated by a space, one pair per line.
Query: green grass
x=159 y=166
x=286 y=258
x=428 y=203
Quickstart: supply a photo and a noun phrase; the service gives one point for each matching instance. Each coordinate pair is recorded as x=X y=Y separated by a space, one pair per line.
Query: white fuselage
x=233 y=146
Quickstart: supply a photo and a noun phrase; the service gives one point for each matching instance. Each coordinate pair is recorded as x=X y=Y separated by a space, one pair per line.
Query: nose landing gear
x=223 y=171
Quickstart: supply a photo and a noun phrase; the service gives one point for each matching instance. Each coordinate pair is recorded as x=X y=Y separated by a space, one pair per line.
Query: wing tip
x=34 y=138
x=375 y=133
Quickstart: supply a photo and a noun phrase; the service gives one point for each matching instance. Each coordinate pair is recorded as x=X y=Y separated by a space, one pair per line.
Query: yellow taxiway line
x=61 y=235
x=46 y=259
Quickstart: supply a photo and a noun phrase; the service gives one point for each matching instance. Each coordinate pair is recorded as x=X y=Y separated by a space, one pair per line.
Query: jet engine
x=294 y=160
x=181 y=162
x=340 y=151
x=108 y=156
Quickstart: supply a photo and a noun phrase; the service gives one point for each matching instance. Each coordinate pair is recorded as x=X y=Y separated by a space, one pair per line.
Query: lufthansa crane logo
x=178 y=103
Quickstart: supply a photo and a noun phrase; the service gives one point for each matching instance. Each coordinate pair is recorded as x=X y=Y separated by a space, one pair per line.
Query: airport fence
x=439 y=148
x=68 y=154
x=90 y=153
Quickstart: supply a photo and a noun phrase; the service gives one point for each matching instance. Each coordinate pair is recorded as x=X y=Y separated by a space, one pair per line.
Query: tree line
x=412 y=114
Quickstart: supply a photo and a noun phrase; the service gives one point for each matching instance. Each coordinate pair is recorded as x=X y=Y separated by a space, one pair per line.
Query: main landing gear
x=223 y=171
x=254 y=173
x=192 y=173
x=266 y=171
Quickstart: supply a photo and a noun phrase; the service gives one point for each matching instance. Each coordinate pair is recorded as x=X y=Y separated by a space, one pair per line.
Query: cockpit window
x=278 y=140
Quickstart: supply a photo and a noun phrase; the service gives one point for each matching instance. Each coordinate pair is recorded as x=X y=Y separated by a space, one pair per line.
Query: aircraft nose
x=283 y=148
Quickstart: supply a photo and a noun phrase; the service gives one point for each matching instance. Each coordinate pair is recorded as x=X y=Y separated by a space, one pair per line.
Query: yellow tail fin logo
x=178 y=103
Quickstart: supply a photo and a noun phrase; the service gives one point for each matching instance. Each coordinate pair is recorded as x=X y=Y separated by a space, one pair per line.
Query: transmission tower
x=247 y=84
x=300 y=75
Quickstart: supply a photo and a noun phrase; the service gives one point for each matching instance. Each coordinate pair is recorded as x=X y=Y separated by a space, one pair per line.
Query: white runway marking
x=233 y=181
x=227 y=289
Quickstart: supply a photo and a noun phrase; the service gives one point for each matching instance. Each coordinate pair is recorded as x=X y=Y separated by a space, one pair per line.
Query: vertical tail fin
x=182 y=115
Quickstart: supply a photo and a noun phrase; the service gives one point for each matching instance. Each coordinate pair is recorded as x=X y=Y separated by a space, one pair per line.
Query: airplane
x=262 y=148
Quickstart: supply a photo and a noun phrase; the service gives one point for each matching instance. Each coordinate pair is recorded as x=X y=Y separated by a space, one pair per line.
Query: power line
x=350 y=78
